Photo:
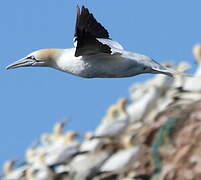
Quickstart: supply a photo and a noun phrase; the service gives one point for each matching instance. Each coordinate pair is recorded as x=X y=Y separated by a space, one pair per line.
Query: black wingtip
x=82 y=10
x=86 y=22
x=78 y=8
x=87 y=29
x=85 y=11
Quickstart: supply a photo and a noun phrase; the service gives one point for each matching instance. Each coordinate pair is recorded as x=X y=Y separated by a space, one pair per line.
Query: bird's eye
x=31 y=57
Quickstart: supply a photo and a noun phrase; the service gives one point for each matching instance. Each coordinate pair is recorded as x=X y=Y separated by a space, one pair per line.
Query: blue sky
x=33 y=99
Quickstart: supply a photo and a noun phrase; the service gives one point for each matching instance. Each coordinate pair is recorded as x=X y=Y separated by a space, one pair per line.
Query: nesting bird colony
x=153 y=135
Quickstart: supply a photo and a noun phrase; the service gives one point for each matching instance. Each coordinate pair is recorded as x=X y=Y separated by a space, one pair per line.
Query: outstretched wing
x=90 y=36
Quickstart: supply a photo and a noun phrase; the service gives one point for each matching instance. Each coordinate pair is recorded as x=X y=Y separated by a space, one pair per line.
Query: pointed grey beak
x=21 y=63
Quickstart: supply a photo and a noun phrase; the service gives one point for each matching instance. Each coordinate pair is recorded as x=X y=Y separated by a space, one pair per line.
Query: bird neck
x=8 y=167
x=67 y=62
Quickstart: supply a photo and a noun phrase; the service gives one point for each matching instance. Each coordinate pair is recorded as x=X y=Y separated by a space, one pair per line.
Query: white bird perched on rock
x=115 y=121
x=85 y=166
x=179 y=81
x=120 y=160
x=39 y=170
x=89 y=143
x=163 y=83
x=95 y=55
x=140 y=108
x=49 y=141
x=10 y=173
x=57 y=135
x=63 y=150
x=137 y=91
x=194 y=84
x=58 y=128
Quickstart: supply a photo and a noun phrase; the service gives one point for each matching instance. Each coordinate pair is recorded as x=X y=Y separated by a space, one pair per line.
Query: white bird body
x=139 y=90
x=62 y=154
x=120 y=160
x=124 y=64
x=42 y=174
x=163 y=83
x=115 y=122
x=112 y=128
x=95 y=55
x=85 y=165
x=39 y=172
x=192 y=84
x=90 y=144
x=17 y=173
x=179 y=81
x=63 y=149
x=189 y=97
x=140 y=108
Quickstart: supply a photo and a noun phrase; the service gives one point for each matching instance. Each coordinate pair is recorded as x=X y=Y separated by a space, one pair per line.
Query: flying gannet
x=95 y=55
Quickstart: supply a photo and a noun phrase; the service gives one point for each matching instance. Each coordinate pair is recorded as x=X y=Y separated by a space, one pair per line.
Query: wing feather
x=86 y=31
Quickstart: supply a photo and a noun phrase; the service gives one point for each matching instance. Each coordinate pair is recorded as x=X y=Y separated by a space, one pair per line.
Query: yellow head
x=58 y=128
x=182 y=67
x=197 y=52
x=121 y=104
x=112 y=111
x=70 y=137
x=8 y=167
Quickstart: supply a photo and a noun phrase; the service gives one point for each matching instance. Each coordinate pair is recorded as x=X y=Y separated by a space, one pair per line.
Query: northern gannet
x=85 y=166
x=63 y=150
x=11 y=173
x=119 y=161
x=193 y=84
x=115 y=122
x=40 y=170
x=47 y=139
x=179 y=81
x=95 y=55
x=137 y=110
x=89 y=143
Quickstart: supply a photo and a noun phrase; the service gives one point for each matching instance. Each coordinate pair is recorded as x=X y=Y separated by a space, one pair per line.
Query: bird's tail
x=171 y=72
